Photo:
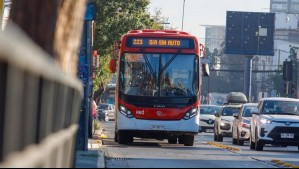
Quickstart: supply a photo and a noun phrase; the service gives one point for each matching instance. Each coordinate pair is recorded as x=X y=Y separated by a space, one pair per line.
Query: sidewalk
x=94 y=157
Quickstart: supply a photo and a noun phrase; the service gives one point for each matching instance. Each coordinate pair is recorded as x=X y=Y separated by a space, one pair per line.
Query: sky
x=203 y=12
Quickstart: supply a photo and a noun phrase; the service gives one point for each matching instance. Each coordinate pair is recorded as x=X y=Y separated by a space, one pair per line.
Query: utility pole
x=183 y=15
x=248 y=76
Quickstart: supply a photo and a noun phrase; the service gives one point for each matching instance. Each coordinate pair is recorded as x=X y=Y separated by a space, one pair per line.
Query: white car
x=241 y=124
x=224 y=121
x=276 y=123
x=207 y=118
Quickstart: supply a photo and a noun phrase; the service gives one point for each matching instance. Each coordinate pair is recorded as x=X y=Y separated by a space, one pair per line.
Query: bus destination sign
x=141 y=42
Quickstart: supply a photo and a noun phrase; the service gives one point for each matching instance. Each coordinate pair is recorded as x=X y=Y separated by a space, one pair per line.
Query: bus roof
x=151 y=31
x=166 y=41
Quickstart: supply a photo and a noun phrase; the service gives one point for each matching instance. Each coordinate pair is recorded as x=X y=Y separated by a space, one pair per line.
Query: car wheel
x=239 y=142
x=251 y=143
x=215 y=134
x=258 y=145
x=172 y=140
x=234 y=141
x=220 y=138
x=215 y=137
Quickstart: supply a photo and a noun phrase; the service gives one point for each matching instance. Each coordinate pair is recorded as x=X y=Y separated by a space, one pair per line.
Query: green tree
x=115 y=18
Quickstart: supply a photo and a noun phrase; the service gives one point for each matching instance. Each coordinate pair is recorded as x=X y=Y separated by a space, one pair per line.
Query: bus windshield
x=159 y=75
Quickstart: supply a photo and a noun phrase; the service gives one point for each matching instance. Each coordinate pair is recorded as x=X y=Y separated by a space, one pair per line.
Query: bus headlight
x=191 y=113
x=123 y=110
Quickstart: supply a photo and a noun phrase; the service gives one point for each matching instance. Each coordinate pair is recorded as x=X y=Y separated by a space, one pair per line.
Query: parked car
x=276 y=123
x=241 y=124
x=224 y=121
x=207 y=118
x=106 y=111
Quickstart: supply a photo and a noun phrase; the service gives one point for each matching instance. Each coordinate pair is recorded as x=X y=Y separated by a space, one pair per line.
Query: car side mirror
x=236 y=115
x=206 y=69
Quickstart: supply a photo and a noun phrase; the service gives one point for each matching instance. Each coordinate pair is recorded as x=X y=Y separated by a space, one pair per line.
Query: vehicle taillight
x=245 y=125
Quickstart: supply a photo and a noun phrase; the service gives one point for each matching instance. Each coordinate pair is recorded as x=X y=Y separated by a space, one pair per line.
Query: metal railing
x=39 y=106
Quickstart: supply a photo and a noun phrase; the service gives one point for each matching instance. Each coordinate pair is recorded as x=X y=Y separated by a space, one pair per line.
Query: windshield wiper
x=168 y=63
x=149 y=66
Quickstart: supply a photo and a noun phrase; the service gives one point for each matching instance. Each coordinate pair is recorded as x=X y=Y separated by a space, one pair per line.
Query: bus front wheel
x=124 y=138
x=188 y=140
x=115 y=137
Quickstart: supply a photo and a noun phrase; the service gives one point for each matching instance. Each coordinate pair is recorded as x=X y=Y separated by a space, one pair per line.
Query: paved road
x=159 y=154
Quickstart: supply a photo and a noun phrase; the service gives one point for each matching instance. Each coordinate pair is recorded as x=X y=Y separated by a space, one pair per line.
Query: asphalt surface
x=205 y=153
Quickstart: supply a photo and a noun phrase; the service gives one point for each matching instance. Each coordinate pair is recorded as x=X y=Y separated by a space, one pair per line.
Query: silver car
x=207 y=118
x=241 y=124
x=224 y=121
x=106 y=111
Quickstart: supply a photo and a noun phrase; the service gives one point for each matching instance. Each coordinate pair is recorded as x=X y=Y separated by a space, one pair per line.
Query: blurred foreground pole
x=55 y=26
x=85 y=75
x=1 y=13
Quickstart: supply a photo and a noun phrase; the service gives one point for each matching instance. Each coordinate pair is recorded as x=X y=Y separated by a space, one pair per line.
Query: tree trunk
x=98 y=93
x=55 y=25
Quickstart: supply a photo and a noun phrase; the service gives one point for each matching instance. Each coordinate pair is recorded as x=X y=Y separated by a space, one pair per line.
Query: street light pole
x=183 y=15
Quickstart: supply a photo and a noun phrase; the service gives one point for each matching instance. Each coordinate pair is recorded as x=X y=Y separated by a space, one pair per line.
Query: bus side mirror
x=113 y=65
x=206 y=69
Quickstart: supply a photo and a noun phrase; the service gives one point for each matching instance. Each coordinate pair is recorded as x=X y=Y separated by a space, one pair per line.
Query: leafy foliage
x=115 y=18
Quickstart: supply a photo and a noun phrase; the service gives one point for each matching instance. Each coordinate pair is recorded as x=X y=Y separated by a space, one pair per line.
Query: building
x=214 y=37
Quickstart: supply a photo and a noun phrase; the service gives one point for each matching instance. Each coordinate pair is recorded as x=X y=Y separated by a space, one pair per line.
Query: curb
x=96 y=145
x=101 y=160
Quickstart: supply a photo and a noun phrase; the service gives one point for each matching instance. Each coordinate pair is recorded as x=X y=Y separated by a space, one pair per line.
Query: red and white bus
x=158 y=86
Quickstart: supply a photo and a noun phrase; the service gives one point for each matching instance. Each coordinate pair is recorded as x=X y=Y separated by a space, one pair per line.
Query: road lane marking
x=284 y=164
x=224 y=146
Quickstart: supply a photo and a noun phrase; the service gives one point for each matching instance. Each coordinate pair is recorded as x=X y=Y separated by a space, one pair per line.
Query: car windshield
x=230 y=111
x=248 y=110
x=159 y=75
x=209 y=110
x=281 y=107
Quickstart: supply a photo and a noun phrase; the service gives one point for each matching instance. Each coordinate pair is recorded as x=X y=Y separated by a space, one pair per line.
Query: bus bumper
x=158 y=126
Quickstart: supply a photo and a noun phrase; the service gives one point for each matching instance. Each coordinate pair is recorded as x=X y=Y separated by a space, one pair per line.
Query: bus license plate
x=158 y=127
x=287 y=135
